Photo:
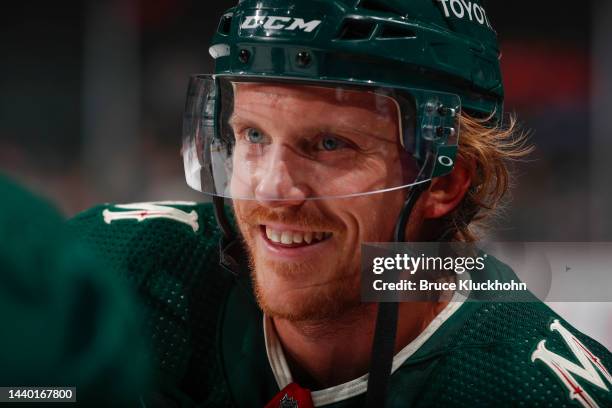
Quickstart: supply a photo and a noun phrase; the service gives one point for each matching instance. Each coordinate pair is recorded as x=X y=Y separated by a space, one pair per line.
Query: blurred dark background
x=92 y=96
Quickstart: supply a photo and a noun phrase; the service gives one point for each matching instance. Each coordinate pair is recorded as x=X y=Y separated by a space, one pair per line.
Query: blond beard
x=326 y=302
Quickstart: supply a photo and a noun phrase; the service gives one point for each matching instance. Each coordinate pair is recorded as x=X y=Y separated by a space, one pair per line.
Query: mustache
x=301 y=218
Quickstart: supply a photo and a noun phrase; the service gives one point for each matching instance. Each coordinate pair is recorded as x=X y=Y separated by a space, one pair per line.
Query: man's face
x=296 y=143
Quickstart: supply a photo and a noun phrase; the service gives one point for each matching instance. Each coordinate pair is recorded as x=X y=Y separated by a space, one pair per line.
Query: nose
x=278 y=182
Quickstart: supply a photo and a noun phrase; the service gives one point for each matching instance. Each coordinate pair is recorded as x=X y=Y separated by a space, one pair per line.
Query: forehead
x=277 y=96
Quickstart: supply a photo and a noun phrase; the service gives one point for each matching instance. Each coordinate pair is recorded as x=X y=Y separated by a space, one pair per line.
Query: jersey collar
x=357 y=386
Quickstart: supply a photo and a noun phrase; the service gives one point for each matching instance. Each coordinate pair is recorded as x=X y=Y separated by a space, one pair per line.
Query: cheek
x=372 y=218
x=240 y=208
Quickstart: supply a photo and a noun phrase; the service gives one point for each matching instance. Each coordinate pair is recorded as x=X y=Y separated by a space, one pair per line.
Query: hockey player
x=327 y=124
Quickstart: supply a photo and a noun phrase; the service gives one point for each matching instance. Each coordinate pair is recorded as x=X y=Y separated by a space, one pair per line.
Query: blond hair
x=490 y=150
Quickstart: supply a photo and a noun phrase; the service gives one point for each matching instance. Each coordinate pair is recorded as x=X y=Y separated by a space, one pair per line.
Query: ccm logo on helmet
x=279 y=23
x=466 y=9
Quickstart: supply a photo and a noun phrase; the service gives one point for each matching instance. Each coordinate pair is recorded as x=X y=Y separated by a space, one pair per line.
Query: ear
x=446 y=192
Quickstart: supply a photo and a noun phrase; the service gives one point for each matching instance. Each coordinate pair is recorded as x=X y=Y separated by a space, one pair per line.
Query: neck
x=324 y=353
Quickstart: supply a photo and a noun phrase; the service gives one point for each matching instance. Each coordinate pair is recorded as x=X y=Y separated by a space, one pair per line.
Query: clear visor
x=291 y=140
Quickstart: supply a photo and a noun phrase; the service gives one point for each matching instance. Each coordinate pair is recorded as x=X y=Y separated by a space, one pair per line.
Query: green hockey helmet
x=415 y=62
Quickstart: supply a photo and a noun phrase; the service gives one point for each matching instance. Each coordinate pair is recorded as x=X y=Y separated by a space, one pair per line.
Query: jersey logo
x=279 y=23
x=463 y=9
x=288 y=402
x=161 y=209
x=589 y=369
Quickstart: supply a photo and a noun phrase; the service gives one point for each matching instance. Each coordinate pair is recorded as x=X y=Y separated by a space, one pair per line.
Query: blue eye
x=331 y=143
x=255 y=136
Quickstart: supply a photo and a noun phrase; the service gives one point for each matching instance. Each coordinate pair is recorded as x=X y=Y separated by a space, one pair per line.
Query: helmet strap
x=383 y=346
x=231 y=251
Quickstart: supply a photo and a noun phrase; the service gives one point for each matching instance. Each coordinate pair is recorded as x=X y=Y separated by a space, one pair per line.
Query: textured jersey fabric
x=209 y=346
x=173 y=270
x=65 y=321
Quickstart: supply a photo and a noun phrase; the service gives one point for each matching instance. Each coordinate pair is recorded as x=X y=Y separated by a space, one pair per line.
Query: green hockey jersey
x=213 y=347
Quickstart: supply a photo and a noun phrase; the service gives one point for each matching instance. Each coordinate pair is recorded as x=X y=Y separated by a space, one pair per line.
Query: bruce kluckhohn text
x=463 y=285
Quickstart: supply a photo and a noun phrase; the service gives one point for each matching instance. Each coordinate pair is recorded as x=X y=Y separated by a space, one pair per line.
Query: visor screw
x=303 y=58
x=445 y=111
x=244 y=56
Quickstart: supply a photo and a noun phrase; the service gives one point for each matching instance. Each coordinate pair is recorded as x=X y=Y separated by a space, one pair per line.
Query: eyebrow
x=237 y=118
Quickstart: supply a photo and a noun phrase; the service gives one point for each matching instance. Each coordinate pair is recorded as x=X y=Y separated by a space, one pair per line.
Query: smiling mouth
x=291 y=238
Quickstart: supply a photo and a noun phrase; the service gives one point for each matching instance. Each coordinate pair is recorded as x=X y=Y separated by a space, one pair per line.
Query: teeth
x=295 y=237
x=298 y=237
x=287 y=237
x=308 y=237
x=273 y=235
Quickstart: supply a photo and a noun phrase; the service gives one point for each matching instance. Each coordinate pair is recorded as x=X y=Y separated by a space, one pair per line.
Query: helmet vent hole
x=225 y=25
x=381 y=6
x=396 y=32
x=353 y=29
